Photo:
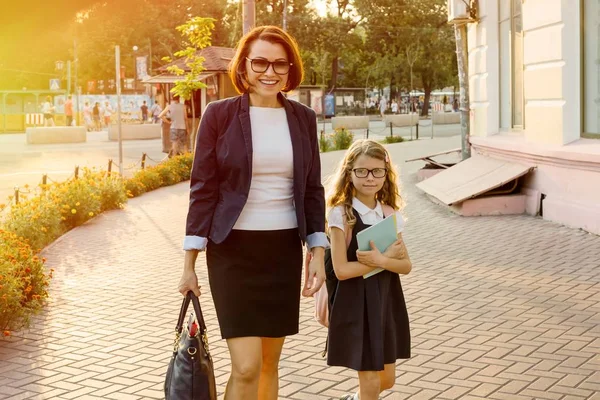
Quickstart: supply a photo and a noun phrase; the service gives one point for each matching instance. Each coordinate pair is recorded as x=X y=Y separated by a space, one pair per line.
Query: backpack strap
x=387 y=210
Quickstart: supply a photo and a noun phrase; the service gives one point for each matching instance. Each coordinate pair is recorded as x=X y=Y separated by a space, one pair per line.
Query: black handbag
x=190 y=375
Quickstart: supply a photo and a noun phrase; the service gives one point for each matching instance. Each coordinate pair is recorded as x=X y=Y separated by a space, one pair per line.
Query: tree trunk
x=460 y=33
x=427 y=97
x=334 y=72
x=393 y=89
x=193 y=135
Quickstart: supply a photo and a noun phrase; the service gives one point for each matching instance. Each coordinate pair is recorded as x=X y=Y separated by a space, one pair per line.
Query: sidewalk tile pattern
x=501 y=308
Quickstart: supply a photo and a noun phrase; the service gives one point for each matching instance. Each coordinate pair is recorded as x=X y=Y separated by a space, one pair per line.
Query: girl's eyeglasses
x=260 y=65
x=364 y=172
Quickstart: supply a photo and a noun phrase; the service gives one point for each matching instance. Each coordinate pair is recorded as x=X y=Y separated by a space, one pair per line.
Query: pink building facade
x=534 y=72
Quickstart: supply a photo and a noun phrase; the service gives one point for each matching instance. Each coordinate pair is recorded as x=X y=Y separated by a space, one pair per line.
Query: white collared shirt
x=335 y=216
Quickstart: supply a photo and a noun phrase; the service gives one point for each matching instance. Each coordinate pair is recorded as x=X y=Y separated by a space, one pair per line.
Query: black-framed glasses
x=260 y=65
x=364 y=172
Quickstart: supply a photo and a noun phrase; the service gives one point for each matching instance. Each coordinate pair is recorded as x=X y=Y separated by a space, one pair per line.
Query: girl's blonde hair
x=340 y=187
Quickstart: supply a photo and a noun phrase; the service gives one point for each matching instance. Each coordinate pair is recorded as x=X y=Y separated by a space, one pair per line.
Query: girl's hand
x=372 y=258
x=314 y=271
x=395 y=250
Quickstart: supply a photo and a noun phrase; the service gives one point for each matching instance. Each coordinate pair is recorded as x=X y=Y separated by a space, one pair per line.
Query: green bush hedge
x=340 y=139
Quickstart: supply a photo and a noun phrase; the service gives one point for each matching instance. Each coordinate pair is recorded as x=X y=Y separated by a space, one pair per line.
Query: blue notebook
x=383 y=233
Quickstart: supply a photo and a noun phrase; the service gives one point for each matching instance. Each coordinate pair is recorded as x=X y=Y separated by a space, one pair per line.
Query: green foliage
x=197 y=34
x=393 y=139
x=23 y=282
x=324 y=142
x=372 y=43
x=342 y=139
x=52 y=210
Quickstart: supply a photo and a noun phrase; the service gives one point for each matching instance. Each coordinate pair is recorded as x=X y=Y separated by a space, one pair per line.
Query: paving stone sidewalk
x=500 y=307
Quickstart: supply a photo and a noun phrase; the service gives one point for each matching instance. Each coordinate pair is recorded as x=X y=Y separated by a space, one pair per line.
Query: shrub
x=150 y=178
x=342 y=139
x=169 y=172
x=324 y=143
x=393 y=139
x=134 y=187
x=79 y=201
x=37 y=220
x=110 y=188
x=54 y=209
x=23 y=283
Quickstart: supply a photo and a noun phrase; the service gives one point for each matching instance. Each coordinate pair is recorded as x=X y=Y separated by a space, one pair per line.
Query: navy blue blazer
x=222 y=172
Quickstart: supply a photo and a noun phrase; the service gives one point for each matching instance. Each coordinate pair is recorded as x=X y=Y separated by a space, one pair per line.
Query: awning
x=172 y=78
x=471 y=178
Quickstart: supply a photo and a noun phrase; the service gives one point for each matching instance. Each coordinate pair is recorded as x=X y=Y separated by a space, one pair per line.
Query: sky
x=320 y=5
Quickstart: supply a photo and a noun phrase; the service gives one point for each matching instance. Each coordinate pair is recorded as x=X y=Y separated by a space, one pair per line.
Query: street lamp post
x=135 y=49
x=117 y=71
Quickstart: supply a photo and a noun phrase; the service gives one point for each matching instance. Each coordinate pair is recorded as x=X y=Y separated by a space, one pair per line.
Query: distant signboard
x=54 y=84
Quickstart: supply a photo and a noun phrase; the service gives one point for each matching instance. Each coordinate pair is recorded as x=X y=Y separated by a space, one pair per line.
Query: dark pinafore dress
x=368 y=324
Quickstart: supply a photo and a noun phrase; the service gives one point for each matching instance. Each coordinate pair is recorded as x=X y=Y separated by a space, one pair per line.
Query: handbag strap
x=197 y=310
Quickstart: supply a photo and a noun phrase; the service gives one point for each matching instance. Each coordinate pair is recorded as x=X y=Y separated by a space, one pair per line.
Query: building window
x=511 y=65
x=590 y=18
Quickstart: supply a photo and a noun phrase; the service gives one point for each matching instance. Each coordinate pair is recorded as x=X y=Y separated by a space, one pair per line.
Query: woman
x=96 y=115
x=87 y=116
x=255 y=197
x=48 y=111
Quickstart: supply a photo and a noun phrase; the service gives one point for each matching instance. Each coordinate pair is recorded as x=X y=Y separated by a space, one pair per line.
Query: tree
x=416 y=46
x=106 y=24
x=436 y=62
x=197 y=35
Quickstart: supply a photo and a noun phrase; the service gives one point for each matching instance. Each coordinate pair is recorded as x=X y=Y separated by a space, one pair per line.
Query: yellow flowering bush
x=169 y=172
x=37 y=219
x=53 y=209
x=76 y=200
x=23 y=282
x=110 y=188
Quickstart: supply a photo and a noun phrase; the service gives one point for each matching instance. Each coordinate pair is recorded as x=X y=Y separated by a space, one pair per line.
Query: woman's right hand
x=189 y=281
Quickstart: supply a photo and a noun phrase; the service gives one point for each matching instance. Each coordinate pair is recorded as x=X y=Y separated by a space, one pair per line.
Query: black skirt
x=255 y=280
x=369 y=324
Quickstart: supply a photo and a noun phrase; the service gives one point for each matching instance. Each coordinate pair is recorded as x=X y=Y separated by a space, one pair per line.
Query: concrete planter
x=135 y=132
x=56 y=134
x=442 y=118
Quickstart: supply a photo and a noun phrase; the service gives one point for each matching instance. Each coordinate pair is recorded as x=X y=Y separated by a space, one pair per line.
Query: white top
x=108 y=110
x=47 y=107
x=270 y=204
x=177 y=112
x=335 y=216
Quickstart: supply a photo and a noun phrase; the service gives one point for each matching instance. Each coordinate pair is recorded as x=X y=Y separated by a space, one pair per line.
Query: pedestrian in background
x=144 y=109
x=96 y=114
x=155 y=111
x=382 y=106
x=69 y=110
x=178 y=120
x=48 y=111
x=394 y=107
x=87 y=116
x=255 y=198
x=107 y=112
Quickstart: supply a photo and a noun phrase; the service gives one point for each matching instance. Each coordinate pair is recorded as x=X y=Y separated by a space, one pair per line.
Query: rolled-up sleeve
x=314 y=199
x=204 y=185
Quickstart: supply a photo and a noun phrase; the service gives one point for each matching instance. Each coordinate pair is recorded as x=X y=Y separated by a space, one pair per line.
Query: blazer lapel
x=246 y=128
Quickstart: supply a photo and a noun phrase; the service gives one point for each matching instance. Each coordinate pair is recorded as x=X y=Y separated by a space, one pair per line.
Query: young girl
x=368 y=327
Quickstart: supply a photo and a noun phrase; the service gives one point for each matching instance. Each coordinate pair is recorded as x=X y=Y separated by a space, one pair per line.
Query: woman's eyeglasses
x=364 y=172
x=260 y=65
